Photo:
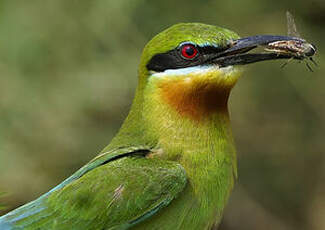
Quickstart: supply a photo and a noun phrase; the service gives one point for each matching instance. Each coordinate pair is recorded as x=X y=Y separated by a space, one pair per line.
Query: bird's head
x=191 y=67
x=178 y=66
x=185 y=51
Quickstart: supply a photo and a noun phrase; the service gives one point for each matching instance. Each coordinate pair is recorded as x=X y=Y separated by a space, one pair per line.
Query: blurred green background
x=69 y=69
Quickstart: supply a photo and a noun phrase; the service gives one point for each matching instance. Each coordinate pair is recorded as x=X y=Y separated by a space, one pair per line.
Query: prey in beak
x=273 y=47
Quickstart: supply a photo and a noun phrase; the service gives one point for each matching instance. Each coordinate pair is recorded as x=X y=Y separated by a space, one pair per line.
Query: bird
x=172 y=164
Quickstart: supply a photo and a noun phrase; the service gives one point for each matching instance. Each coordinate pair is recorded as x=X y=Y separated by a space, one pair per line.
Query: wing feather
x=114 y=194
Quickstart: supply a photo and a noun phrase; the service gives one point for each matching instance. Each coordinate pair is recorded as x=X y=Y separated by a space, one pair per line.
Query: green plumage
x=162 y=171
x=136 y=185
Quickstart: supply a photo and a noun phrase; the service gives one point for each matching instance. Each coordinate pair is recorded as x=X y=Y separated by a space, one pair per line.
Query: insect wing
x=291 y=26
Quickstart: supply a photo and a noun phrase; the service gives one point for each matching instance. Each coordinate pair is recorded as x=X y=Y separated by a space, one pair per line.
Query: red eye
x=189 y=51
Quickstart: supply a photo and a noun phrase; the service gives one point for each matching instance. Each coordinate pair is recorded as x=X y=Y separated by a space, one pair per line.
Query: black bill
x=274 y=47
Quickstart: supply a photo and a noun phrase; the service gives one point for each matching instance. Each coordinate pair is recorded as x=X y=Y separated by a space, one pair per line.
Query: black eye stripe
x=168 y=60
x=173 y=59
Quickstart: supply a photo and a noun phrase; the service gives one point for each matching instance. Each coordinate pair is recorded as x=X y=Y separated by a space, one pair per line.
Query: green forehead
x=197 y=33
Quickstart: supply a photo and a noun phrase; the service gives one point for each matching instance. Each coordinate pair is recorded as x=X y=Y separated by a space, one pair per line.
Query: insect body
x=298 y=48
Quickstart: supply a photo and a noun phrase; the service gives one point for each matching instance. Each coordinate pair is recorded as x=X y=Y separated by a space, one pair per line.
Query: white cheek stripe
x=191 y=70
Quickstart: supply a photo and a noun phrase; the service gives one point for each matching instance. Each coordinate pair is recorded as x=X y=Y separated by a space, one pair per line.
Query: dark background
x=69 y=69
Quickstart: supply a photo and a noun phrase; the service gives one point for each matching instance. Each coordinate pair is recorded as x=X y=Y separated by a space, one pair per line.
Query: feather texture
x=115 y=195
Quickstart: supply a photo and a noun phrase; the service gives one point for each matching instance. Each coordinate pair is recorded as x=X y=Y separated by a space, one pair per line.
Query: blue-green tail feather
x=13 y=219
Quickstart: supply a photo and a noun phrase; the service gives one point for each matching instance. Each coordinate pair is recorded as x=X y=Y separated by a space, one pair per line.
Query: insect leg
x=309 y=67
x=286 y=63
x=313 y=61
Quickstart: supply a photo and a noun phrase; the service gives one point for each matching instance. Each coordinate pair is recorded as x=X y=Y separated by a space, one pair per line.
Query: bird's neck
x=197 y=136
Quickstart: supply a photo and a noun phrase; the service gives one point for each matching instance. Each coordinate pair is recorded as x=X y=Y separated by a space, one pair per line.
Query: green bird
x=172 y=165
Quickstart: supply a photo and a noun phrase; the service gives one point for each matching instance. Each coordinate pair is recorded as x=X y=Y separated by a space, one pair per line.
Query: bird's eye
x=189 y=51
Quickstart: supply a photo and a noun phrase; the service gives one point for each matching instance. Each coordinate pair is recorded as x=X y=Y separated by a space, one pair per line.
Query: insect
x=299 y=49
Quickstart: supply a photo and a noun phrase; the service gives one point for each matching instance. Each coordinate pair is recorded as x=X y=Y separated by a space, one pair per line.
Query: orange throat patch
x=194 y=97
